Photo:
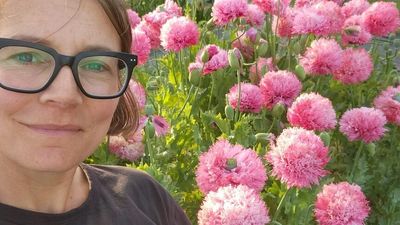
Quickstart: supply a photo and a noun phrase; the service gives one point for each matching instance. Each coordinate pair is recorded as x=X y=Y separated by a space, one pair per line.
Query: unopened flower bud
x=149 y=110
x=210 y=24
x=352 y=30
x=152 y=85
x=278 y=110
x=326 y=138
x=149 y=129
x=301 y=74
x=233 y=59
x=262 y=48
x=204 y=56
x=262 y=137
x=397 y=97
x=194 y=77
x=396 y=43
x=229 y=112
x=371 y=149
x=231 y=163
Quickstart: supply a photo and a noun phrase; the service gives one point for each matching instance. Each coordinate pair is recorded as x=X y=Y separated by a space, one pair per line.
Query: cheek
x=101 y=114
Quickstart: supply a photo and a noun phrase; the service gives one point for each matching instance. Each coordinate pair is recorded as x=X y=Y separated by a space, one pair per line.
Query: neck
x=46 y=192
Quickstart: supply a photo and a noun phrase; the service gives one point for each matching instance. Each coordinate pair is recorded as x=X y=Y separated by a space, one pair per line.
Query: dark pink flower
x=250 y=100
x=224 y=11
x=257 y=71
x=141 y=46
x=354 y=7
x=390 y=106
x=139 y=92
x=255 y=16
x=355 y=32
x=312 y=112
x=323 y=57
x=152 y=33
x=233 y=206
x=226 y=164
x=179 y=33
x=134 y=18
x=161 y=125
x=342 y=203
x=356 y=66
x=365 y=124
x=381 y=18
x=283 y=25
x=279 y=87
x=298 y=158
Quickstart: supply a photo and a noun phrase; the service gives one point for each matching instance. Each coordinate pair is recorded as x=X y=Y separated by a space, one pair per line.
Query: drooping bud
x=326 y=138
x=371 y=147
x=149 y=110
x=231 y=163
x=229 y=112
x=278 y=110
x=233 y=58
x=194 y=77
x=262 y=48
x=150 y=130
x=262 y=137
x=204 y=56
x=301 y=74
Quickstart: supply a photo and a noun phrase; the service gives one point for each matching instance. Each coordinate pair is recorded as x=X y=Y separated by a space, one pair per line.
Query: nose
x=63 y=91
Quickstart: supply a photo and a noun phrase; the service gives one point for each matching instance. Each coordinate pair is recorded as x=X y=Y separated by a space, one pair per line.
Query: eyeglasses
x=27 y=67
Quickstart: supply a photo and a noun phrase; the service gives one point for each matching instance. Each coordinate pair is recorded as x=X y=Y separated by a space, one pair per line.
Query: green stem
x=356 y=161
x=237 y=114
x=212 y=90
x=173 y=69
x=186 y=101
x=278 y=209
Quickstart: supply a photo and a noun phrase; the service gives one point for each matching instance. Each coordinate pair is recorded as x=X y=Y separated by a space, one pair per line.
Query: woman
x=62 y=78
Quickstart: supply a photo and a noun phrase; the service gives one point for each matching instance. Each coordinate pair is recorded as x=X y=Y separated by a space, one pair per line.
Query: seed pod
x=231 y=164
x=229 y=112
x=262 y=48
x=301 y=74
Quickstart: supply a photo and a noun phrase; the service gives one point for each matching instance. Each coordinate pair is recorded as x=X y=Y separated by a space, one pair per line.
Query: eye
x=94 y=66
x=28 y=58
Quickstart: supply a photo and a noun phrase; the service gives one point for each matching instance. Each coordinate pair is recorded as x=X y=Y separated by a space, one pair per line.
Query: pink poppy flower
x=233 y=206
x=141 y=46
x=279 y=87
x=151 y=32
x=355 y=32
x=217 y=59
x=312 y=112
x=272 y=6
x=224 y=11
x=250 y=100
x=257 y=71
x=163 y=13
x=322 y=57
x=246 y=43
x=382 y=18
x=255 y=16
x=354 y=7
x=356 y=66
x=134 y=18
x=298 y=158
x=282 y=26
x=139 y=92
x=226 y=164
x=161 y=126
x=341 y=203
x=389 y=102
x=125 y=150
x=365 y=124
x=179 y=33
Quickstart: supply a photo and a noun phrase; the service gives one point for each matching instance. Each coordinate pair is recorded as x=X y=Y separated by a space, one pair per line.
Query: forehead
x=81 y=22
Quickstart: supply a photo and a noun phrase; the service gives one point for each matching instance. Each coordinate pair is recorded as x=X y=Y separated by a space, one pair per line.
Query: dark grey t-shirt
x=118 y=196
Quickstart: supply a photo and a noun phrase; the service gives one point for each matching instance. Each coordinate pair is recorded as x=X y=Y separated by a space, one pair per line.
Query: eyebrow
x=43 y=41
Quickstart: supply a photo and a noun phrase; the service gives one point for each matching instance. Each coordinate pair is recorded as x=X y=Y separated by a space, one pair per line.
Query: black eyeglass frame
x=72 y=61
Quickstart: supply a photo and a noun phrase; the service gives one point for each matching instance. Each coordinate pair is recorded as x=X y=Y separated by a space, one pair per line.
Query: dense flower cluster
x=233 y=206
x=298 y=158
x=226 y=164
x=224 y=11
x=341 y=203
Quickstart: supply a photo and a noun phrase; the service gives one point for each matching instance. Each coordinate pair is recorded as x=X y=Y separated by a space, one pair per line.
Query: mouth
x=54 y=129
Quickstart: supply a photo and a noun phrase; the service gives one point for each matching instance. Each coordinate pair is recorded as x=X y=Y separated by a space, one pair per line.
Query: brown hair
x=126 y=116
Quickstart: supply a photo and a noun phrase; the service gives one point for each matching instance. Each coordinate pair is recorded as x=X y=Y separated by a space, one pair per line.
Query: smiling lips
x=54 y=130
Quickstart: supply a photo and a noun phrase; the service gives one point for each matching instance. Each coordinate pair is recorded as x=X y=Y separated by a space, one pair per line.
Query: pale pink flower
x=302 y=3
x=161 y=125
x=179 y=33
x=125 y=150
x=389 y=105
x=224 y=11
x=323 y=18
x=230 y=205
x=279 y=87
x=163 y=13
x=139 y=92
x=355 y=32
x=217 y=59
x=342 y=203
x=354 y=7
x=255 y=16
x=365 y=124
x=322 y=57
x=298 y=158
x=250 y=100
x=257 y=71
x=140 y=46
x=226 y=164
x=152 y=33
x=134 y=18
x=382 y=18
x=272 y=6
x=282 y=26
x=312 y=112
x=356 y=66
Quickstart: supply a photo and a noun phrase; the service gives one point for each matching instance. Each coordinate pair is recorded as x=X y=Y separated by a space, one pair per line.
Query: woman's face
x=54 y=130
